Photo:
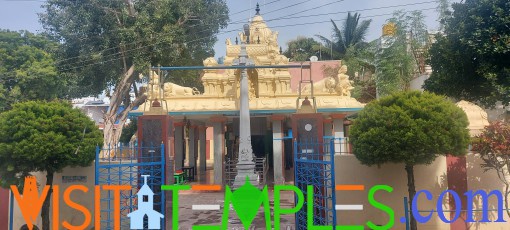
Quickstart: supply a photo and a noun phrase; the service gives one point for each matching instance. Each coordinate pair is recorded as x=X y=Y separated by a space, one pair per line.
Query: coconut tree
x=352 y=34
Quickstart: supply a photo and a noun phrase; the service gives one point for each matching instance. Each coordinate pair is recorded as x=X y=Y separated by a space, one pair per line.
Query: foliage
x=101 y=37
x=352 y=34
x=395 y=64
x=301 y=49
x=493 y=145
x=27 y=69
x=443 y=9
x=411 y=128
x=106 y=44
x=129 y=131
x=364 y=90
x=44 y=136
x=471 y=60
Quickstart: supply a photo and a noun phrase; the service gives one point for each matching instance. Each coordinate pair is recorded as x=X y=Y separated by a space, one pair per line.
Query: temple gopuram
x=206 y=124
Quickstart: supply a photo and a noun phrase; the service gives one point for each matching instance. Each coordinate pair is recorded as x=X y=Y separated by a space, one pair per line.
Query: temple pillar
x=192 y=146
x=219 y=154
x=179 y=145
x=339 y=134
x=202 y=163
x=278 y=149
x=328 y=129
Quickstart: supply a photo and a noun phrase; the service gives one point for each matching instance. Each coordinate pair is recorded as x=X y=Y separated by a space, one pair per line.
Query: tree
x=27 y=69
x=493 y=145
x=129 y=131
x=44 y=136
x=411 y=128
x=352 y=35
x=395 y=63
x=471 y=60
x=301 y=49
x=107 y=43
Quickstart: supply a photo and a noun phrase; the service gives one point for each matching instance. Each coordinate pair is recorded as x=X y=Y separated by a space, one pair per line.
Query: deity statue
x=154 y=91
x=389 y=29
x=344 y=85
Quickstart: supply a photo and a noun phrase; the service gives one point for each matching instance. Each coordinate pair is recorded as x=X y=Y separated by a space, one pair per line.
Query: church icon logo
x=145 y=208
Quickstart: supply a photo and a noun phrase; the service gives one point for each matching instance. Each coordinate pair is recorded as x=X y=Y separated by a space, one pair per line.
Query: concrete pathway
x=189 y=217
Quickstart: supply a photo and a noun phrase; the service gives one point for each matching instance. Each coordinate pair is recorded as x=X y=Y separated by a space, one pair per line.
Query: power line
x=343 y=12
x=162 y=35
x=281 y=26
x=111 y=48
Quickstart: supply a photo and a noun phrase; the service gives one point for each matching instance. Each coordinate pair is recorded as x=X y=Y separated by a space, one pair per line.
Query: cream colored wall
x=74 y=217
x=488 y=181
x=432 y=177
x=348 y=171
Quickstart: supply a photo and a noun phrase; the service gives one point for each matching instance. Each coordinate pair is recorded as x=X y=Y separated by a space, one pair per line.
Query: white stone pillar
x=338 y=129
x=219 y=147
x=201 y=156
x=328 y=134
x=178 y=145
x=278 y=149
x=192 y=146
x=328 y=128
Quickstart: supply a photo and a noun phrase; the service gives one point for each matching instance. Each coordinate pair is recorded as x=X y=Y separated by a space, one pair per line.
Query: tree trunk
x=412 y=191
x=45 y=213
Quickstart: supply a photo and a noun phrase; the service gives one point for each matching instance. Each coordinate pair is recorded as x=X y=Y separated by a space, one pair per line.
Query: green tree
x=493 y=145
x=44 y=136
x=352 y=34
x=106 y=44
x=27 y=69
x=129 y=131
x=471 y=60
x=395 y=62
x=412 y=128
x=301 y=49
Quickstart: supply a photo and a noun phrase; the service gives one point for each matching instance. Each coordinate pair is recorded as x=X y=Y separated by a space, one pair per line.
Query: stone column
x=219 y=154
x=178 y=145
x=327 y=133
x=278 y=149
x=338 y=129
x=245 y=165
x=201 y=156
x=192 y=147
x=328 y=128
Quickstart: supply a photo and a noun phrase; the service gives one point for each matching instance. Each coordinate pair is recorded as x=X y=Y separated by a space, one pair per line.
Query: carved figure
x=172 y=89
x=344 y=85
x=228 y=42
x=154 y=86
x=326 y=85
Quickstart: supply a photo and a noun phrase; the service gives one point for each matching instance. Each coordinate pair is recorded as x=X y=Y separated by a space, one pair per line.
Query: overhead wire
x=131 y=43
x=119 y=53
x=237 y=29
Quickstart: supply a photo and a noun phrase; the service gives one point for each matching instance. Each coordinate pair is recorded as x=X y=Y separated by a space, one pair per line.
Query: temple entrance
x=314 y=170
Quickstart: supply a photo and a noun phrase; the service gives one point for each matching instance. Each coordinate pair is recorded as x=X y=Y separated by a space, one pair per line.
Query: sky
x=291 y=18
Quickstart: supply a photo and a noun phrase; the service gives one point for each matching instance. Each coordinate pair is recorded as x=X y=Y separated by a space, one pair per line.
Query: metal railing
x=261 y=169
x=341 y=145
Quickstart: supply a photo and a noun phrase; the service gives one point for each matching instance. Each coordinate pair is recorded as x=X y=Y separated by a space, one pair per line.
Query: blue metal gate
x=125 y=166
x=314 y=166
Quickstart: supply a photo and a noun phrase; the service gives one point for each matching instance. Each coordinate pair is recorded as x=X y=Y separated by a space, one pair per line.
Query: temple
x=275 y=95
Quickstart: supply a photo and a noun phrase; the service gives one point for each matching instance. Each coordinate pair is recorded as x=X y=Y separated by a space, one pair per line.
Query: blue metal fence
x=124 y=166
x=314 y=165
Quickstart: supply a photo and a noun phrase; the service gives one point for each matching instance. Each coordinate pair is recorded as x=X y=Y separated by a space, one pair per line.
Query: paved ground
x=189 y=217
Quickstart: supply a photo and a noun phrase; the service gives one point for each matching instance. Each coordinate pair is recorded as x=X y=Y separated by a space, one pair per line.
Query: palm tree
x=352 y=35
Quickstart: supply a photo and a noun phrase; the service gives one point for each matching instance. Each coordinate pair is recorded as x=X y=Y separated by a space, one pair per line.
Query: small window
x=145 y=198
